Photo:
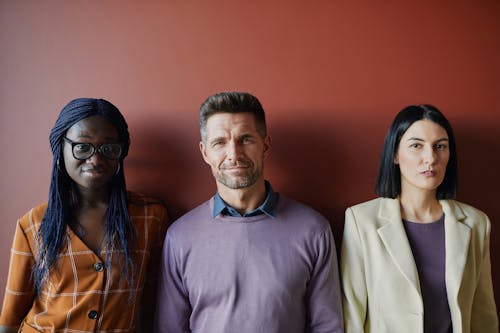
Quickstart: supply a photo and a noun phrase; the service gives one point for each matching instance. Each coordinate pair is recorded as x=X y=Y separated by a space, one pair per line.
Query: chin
x=237 y=184
x=95 y=185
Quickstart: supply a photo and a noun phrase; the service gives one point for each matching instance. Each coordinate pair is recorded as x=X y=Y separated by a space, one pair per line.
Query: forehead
x=220 y=123
x=93 y=127
x=425 y=129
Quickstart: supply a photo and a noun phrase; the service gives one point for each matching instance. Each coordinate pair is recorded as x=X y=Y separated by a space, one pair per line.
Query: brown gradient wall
x=331 y=75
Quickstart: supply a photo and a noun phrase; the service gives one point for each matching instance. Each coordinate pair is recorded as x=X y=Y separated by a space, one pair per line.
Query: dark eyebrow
x=217 y=138
x=419 y=139
x=414 y=139
x=86 y=136
x=246 y=135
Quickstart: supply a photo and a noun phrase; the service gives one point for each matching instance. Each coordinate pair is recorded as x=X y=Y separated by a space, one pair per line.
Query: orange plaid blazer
x=82 y=295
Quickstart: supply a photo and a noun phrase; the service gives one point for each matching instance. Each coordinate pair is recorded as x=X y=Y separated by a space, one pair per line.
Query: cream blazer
x=381 y=290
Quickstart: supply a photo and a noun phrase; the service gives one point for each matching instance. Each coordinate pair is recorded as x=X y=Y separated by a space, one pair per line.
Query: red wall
x=331 y=75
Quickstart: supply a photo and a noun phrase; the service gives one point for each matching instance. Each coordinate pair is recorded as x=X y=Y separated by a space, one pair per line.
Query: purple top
x=250 y=274
x=428 y=248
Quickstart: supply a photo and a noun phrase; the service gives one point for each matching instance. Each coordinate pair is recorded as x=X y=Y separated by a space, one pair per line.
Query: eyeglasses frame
x=74 y=143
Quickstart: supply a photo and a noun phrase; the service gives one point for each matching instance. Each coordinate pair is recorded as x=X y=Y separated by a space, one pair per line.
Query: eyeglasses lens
x=83 y=151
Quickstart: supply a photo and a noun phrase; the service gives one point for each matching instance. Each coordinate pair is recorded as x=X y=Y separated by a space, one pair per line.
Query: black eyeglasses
x=83 y=150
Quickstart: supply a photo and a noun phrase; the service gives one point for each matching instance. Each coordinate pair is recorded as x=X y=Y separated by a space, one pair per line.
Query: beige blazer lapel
x=457 y=238
x=395 y=240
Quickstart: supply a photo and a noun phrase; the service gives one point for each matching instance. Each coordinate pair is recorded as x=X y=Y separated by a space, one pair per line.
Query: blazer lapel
x=395 y=240
x=457 y=238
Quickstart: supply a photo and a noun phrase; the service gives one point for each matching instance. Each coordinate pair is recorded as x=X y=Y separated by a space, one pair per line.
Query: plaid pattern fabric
x=82 y=295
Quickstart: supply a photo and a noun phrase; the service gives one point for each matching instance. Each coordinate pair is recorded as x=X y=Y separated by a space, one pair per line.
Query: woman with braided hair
x=86 y=260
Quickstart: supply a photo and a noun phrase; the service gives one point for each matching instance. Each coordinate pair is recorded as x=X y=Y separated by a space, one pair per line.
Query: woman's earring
x=117 y=170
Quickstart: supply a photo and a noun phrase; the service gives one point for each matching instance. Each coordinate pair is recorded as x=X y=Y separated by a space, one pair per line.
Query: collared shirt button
x=98 y=266
x=93 y=314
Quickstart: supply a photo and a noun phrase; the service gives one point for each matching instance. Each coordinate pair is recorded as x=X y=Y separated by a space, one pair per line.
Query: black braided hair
x=120 y=232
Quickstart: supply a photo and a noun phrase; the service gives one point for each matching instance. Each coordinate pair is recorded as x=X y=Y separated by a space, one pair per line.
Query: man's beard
x=242 y=181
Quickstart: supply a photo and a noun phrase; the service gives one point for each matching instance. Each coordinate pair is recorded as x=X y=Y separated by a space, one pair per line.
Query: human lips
x=94 y=171
x=238 y=166
x=236 y=171
x=428 y=173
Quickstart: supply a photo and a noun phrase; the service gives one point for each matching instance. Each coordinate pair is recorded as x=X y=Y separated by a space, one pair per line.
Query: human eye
x=112 y=150
x=441 y=146
x=82 y=147
x=217 y=143
x=415 y=145
x=247 y=139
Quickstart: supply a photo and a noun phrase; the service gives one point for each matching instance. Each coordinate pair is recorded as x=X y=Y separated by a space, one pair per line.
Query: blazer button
x=93 y=314
x=98 y=267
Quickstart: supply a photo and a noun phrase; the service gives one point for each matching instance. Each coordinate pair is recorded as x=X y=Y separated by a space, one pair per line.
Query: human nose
x=233 y=151
x=429 y=155
x=96 y=157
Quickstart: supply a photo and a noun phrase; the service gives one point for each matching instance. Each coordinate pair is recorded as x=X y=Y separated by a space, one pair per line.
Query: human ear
x=267 y=145
x=203 y=152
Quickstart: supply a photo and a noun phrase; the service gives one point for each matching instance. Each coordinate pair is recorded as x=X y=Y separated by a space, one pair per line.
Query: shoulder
x=464 y=208
x=149 y=214
x=139 y=204
x=471 y=216
x=373 y=207
x=192 y=219
x=292 y=210
x=466 y=217
x=33 y=217
x=372 y=214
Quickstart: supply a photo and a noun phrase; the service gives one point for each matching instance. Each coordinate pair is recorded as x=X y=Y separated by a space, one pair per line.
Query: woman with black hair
x=87 y=260
x=415 y=260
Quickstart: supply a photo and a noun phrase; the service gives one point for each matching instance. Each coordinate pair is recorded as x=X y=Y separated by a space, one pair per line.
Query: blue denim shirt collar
x=267 y=207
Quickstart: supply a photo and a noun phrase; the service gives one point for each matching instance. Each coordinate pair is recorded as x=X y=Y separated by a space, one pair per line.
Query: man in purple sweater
x=248 y=260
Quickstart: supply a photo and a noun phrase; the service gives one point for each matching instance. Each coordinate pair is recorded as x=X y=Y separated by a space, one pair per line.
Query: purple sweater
x=250 y=274
x=428 y=248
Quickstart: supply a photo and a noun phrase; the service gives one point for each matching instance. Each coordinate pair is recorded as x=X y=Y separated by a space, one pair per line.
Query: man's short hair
x=232 y=102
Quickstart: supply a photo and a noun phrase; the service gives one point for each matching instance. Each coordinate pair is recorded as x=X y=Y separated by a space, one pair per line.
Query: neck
x=420 y=207
x=88 y=198
x=244 y=200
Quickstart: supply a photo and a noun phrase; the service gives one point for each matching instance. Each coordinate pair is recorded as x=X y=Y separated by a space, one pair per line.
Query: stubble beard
x=239 y=182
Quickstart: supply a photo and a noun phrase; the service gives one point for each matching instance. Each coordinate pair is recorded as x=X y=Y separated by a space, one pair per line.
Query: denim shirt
x=267 y=207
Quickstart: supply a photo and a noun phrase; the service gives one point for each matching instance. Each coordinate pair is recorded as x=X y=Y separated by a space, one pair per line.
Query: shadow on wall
x=164 y=160
x=315 y=162
x=300 y=167
x=309 y=162
x=478 y=159
x=318 y=162
x=478 y=146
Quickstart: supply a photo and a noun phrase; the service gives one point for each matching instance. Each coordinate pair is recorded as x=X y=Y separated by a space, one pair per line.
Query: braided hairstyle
x=119 y=231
